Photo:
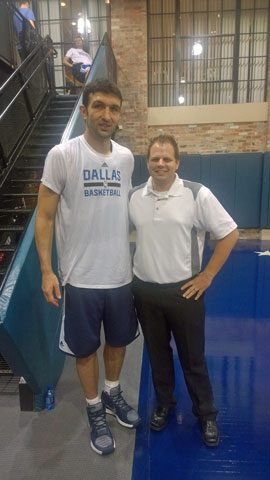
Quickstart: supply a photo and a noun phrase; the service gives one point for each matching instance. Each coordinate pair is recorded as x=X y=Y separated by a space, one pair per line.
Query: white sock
x=93 y=401
x=108 y=385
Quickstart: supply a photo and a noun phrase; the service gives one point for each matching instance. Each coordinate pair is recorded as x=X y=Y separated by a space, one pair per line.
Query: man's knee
x=86 y=359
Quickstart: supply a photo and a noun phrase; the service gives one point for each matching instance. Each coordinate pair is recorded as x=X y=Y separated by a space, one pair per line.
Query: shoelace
x=120 y=402
x=99 y=420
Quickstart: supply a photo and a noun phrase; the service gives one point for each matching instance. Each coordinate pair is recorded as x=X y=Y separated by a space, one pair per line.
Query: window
x=203 y=52
x=64 y=20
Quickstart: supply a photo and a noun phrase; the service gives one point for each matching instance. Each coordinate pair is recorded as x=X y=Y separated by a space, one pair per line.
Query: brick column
x=129 y=43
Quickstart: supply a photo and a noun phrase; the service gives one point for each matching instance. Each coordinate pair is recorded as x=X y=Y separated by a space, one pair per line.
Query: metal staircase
x=18 y=194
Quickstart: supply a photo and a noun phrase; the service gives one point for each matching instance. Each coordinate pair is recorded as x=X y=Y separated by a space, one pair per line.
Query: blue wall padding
x=190 y=168
x=222 y=179
x=140 y=172
x=240 y=181
x=29 y=327
x=265 y=202
x=248 y=188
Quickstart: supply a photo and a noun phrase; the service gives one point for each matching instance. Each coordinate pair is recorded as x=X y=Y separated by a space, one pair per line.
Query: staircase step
x=46 y=135
x=60 y=98
x=41 y=145
x=8 y=248
x=24 y=180
x=28 y=167
x=15 y=211
x=12 y=228
x=15 y=195
x=57 y=118
x=63 y=104
x=60 y=111
x=50 y=126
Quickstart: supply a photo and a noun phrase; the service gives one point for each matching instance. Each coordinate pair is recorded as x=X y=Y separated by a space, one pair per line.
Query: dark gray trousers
x=162 y=312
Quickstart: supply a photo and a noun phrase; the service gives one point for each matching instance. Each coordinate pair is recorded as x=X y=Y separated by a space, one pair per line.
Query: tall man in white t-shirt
x=84 y=191
x=171 y=216
x=78 y=60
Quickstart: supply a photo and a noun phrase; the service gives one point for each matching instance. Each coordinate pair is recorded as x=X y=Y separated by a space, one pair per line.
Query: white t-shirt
x=170 y=229
x=78 y=55
x=91 y=225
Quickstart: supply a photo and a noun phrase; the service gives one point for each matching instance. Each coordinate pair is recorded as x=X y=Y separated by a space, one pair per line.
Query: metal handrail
x=25 y=83
x=38 y=46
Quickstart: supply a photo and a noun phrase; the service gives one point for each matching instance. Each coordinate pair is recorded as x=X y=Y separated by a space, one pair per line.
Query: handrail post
x=25 y=94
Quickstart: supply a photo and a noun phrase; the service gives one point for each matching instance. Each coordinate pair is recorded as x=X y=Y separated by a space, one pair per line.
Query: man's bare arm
x=222 y=250
x=66 y=62
x=44 y=228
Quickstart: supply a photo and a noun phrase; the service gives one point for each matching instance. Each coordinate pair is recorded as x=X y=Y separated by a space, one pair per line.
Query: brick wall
x=217 y=138
x=129 y=42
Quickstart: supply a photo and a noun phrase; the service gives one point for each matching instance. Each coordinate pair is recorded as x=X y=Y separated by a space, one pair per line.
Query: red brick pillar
x=129 y=43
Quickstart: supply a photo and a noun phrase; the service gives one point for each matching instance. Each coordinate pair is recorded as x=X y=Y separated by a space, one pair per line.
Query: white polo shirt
x=170 y=229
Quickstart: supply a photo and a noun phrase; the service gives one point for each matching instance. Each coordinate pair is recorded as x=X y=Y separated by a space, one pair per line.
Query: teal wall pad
x=29 y=326
x=240 y=181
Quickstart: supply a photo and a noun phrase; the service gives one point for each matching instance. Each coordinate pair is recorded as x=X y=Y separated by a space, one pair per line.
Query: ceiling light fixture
x=181 y=99
x=197 y=48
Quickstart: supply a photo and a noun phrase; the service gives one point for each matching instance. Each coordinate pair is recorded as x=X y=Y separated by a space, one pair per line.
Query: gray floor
x=54 y=445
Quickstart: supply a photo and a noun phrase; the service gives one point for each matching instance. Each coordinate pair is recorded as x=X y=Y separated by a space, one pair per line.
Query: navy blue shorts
x=86 y=309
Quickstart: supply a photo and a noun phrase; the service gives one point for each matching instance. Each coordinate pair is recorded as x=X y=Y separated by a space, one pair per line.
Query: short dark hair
x=164 y=139
x=78 y=36
x=100 y=85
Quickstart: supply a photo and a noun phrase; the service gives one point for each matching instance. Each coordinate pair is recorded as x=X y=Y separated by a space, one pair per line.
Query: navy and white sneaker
x=102 y=441
x=117 y=406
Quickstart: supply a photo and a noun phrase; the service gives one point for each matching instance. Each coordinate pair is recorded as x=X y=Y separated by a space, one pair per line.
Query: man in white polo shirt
x=171 y=216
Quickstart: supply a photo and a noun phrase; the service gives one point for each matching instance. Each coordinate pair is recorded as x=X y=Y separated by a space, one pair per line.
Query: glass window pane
x=246 y=21
x=154 y=6
x=228 y=23
x=262 y=3
x=245 y=4
x=155 y=26
x=168 y=6
x=200 y=24
x=229 y=4
x=185 y=6
x=168 y=26
x=214 y=24
x=186 y=24
x=227 y=47
x=200 y=5
x=261 y=21
x=214 y=5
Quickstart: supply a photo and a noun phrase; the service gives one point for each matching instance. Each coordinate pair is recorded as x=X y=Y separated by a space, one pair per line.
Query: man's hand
x=50 y=288
x=197 y=285
x=222 y=250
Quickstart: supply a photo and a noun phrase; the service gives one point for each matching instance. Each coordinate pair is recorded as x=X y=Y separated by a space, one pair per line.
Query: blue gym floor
x=237 y=350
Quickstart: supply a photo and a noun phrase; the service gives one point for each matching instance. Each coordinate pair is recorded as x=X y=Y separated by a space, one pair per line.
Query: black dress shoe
x=160 y=418
x=210 y=432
